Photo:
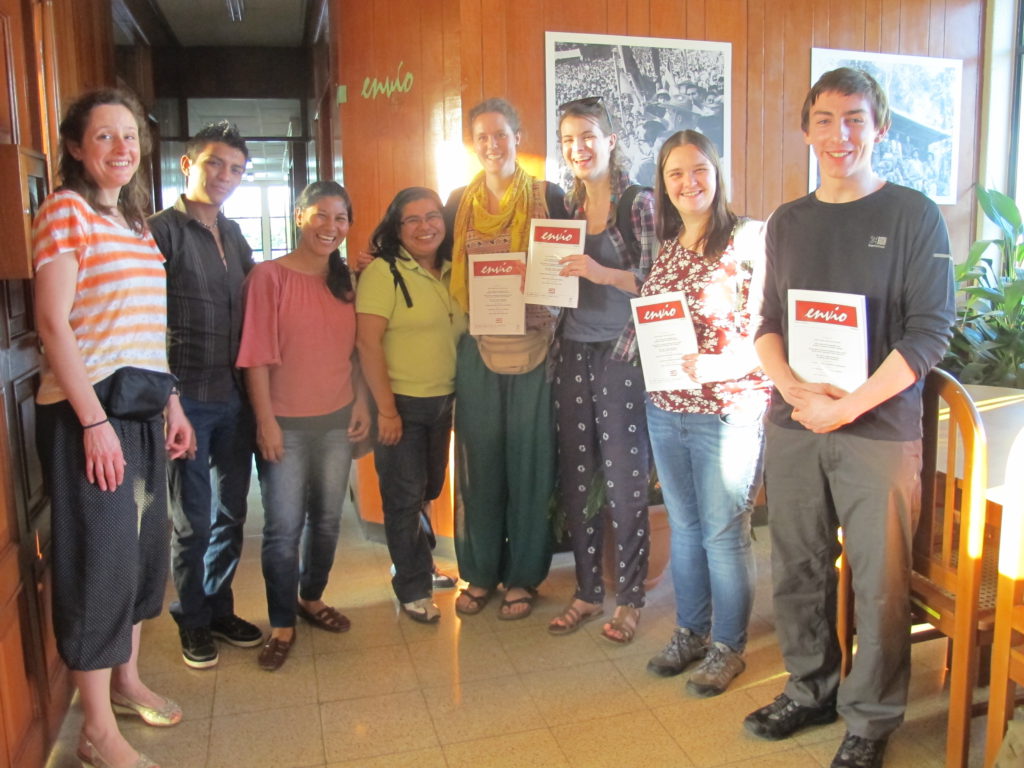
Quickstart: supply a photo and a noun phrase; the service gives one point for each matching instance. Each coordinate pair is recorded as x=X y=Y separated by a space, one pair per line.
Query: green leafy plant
x=988 y=337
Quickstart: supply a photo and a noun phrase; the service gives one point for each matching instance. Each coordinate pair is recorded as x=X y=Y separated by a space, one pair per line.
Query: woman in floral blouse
x=708 y=439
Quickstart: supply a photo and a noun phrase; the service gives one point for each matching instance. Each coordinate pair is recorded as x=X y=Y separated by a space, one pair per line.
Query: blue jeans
x=207 y=539
x=303 y=494
x=411 y=473
x=709 y=467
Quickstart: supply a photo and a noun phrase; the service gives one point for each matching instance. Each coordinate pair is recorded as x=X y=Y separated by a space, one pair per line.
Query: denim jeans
x=303 y=494
x=208 y=508
x=411 y=473
x=709 y=467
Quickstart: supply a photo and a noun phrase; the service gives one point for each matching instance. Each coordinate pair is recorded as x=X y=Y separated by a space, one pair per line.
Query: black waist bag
x=137 y=394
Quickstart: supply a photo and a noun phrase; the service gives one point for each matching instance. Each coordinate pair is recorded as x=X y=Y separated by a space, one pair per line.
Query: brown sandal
x=274 y=653
x=571 y=619
x=476 y=602
x=624 y=622
x=327 y=618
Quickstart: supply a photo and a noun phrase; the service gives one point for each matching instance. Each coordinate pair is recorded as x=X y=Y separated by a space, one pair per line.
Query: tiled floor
x=478 y=692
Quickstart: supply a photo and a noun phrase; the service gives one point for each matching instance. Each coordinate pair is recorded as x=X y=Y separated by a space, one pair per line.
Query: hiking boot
x=236 y=631
x=712 y=676
x=859 y=752
x=682 y=650
x=197 y=647
x=784 y=717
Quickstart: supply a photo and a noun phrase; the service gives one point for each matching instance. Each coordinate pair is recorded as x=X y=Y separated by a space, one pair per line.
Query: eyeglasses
x=414 y=221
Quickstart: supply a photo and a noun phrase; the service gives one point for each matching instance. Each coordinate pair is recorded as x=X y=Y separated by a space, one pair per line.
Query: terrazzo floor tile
x=536 y=749
x=420 y=758
x=364 y=672
x=288 y=737
x=482 y=708
x=248 y=688
x=580 y=693
x=533 y=649
x=634 y=739
x=376 y=725
x=459 y=659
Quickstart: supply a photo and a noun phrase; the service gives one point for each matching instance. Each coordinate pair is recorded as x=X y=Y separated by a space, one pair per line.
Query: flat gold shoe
x=90 y=757
x=169 y=714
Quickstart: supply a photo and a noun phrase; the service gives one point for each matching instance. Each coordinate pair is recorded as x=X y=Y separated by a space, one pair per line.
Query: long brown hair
x=133 y=200
x=593 y=109
x=668 y=222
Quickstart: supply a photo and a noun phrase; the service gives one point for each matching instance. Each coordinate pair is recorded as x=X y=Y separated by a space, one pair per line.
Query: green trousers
x=505 y=459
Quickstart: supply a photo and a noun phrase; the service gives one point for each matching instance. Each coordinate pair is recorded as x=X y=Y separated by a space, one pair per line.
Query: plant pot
x=659 y=549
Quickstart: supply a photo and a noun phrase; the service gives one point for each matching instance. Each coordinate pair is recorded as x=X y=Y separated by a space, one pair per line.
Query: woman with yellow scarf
x=504 y=430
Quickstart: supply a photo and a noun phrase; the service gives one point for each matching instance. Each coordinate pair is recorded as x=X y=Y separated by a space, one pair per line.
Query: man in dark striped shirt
x=207 y=259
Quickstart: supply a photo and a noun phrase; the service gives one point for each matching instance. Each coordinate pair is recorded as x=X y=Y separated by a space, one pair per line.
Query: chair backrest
x=950 y=534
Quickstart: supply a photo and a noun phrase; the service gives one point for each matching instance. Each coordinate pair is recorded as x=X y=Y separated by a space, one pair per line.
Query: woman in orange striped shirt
x=101 y=313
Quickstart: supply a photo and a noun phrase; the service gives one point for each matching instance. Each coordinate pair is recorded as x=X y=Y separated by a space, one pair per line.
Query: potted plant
x=988 y=337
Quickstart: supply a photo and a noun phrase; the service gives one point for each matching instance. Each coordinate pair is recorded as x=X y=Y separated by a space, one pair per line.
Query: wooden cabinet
x=22 y=189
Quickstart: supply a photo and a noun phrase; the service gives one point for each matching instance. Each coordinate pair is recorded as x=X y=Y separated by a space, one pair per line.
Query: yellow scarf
x=513 y=217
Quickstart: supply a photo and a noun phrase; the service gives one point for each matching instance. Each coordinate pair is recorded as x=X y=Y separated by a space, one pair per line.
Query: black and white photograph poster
x=651 y=87
x=921 y=148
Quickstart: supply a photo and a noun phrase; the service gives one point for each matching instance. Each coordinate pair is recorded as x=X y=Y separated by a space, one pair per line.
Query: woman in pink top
x=298 y=343
x=101 y=312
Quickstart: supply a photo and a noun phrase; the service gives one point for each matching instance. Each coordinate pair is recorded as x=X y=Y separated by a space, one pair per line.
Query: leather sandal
x=327 y=618
x=624 y=622
x=571 y=619
x=476 y=602
x=505 y=611
x=275 y=653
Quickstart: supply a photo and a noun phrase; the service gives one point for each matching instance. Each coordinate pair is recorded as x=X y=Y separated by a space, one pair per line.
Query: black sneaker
x=784 y=717
x=859 y=752
x=236 y=631
x=197 y=647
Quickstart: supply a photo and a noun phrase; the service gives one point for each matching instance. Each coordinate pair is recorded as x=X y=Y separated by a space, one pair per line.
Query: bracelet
x=90 y=426
x=175 y=391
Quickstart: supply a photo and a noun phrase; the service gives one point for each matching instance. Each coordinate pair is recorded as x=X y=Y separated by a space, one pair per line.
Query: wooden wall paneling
x=498 y=56
x=776 y=121
x=405 y=114
x=937 y=28
x=728 y=23
x=846 y=23
x=695 y=19
x=471 y=45
x=668 y=19
x=890 y=26
x=638 y=19
x=748 y=137
x=616 y=16
x=582 y=16
x=797 y=63
x=428 y=92
x=8 y=76
x=872 y=24
x=914 y=18
x=526 y=85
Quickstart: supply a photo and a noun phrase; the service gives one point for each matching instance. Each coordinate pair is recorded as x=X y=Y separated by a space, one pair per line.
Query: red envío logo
x=667 y=310
x=831 y=314
x=494 y=268
x=556 y=235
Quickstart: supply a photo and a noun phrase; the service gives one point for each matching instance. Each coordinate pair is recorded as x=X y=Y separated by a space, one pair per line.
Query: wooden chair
x=1008 y=636
x=950 y=544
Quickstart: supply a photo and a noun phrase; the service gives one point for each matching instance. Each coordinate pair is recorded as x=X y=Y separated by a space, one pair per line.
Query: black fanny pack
x=137 y=394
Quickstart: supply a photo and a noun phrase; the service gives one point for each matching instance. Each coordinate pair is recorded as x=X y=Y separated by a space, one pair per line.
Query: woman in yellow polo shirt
x=408 y=327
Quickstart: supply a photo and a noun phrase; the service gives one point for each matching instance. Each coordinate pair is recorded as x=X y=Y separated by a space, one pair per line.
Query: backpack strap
x=400 y=283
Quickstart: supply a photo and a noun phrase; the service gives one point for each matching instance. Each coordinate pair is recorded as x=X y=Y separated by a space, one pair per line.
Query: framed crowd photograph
x=652 y=87
x=920 y=149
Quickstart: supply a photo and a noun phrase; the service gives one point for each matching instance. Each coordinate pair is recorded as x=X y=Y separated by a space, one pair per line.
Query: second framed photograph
x=651 y=87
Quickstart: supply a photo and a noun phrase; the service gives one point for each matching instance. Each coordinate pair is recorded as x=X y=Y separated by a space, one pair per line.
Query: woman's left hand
x=181 y=439
x=359 y=423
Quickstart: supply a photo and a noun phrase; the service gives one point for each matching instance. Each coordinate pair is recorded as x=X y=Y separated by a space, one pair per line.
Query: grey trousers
x=816 y=483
